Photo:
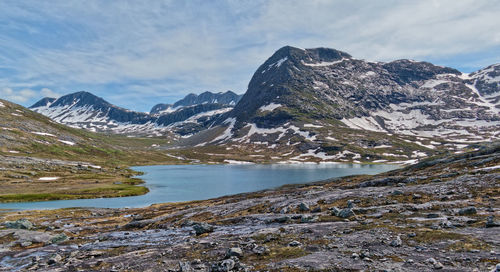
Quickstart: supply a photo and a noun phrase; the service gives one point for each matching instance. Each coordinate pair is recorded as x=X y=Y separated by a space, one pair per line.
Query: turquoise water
x=174 y=183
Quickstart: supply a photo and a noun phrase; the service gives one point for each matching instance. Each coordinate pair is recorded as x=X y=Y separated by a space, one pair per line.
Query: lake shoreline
x=310 y=177
x=380 y=219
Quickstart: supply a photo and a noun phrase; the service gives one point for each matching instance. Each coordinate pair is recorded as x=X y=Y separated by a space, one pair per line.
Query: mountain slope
x=326 y=102
x=87 y=111
x=228 y=98
x=43 y=160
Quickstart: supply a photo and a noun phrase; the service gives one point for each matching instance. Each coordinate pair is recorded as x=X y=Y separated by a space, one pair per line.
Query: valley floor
x=36 y=179
x=440 y=214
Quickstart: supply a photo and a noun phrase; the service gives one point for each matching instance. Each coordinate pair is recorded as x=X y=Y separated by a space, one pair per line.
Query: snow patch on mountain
x=367 y=123
x=66 y=142
x=195 y=118
x=323 y=63
x=276 y=64
x=228 y=132
x=43 y=134
x=270 y=107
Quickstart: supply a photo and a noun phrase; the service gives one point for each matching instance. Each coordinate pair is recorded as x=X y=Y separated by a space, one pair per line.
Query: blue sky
x=139 y=53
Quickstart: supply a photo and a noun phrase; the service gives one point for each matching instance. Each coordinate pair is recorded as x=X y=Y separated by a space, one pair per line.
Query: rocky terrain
x=185 y=117
x=440 y=214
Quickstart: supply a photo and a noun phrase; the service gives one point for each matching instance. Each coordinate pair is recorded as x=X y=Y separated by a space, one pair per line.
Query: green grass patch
x=119 y=190
x=35 y=197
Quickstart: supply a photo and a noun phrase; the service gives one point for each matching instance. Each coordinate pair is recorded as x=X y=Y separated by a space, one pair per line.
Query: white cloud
x=46 y=92
x=19 y=96
x=177 y=47
x=25 y=95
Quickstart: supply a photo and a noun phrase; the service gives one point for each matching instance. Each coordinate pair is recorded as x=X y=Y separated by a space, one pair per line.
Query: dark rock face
x=327 y=83
x=487 y=80
x=407 y=71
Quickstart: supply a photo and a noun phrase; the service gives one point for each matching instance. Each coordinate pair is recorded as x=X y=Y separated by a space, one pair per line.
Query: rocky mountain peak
x=227 y=98
x=80 y=99
x=44 y=102
x=487 y=80
x=328 y=86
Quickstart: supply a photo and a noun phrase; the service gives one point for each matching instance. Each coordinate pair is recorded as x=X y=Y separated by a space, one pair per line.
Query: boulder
x=260 y=250
x=345 y=213
x=59 y=238
x=282 y=219
x=201 y=228
x=18 y=224
x=185 y=267
x=490 y=222
x=303 y=207
x=234 y=252
x=317 y=210
x=435 y=264
x=335 y=211
x=308 y=219
x=56 y=258
x=467 y=211
x=396 y=242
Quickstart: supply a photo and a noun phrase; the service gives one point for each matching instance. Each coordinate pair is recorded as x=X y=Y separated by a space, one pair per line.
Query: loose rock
x=201 y=228
x=397 y=242
x=345 y=213
x=234 y=251
x=467 y=211
x=295 y=244
x=303 y=207
x=18 y=224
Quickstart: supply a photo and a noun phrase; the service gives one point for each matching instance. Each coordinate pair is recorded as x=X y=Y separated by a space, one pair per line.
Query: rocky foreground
x=441 y=214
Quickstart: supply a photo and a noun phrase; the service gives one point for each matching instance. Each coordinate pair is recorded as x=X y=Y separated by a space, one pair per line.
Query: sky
x=136 y=54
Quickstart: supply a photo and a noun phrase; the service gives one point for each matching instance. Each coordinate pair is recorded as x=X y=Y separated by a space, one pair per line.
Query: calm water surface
x=174 y=183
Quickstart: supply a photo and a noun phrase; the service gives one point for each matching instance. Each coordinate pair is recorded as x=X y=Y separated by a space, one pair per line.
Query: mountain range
x=87 y=111
x=317 y=104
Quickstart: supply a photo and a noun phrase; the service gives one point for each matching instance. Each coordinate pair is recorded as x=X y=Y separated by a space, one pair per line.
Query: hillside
x=41 y=159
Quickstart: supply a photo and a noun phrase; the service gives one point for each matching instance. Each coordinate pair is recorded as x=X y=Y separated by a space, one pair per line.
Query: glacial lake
x=175 y=183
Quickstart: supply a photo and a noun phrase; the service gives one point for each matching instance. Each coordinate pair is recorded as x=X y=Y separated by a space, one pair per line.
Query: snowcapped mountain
x=87 y=111
x=318 y=104
x=323 y=99
x=228 y=98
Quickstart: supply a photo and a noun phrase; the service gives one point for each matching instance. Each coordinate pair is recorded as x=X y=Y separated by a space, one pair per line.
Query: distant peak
x=44 y=102
x=327 y=54
x=320 y=54
x=83 y=98
x=82 y=93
